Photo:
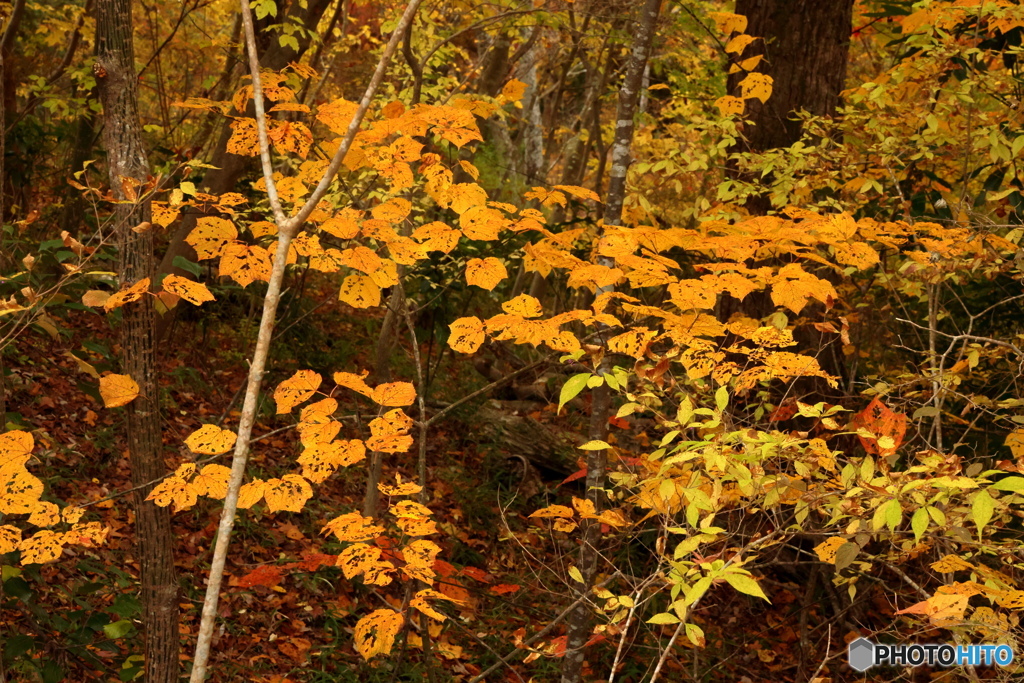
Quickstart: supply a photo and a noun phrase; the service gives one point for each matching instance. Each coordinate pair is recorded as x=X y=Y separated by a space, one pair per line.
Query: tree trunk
x=805 y=44
x=579 y=621
x=127 y=163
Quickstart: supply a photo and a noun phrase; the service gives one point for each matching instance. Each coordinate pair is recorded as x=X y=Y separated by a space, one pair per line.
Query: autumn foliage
x=782 y=388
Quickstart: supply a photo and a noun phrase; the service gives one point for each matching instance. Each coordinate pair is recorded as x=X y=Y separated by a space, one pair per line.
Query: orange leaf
x=359 y=291
x=118 y=390
x=485 y=273
x=189 y=290
x=297 y=389
x=394 y=394
x=127 y=295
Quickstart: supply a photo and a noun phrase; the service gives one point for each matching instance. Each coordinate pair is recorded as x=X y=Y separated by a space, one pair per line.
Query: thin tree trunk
x=126 y=158
x=287 y=229
x=579 y=622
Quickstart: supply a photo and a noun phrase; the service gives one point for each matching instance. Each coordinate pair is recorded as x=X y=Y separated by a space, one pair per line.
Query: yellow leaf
x=251 y=493
x=289 y=493
x=375 y=633
x=189 y=290
x=419 y=558
x=400 y=489
x=211 y=440
x=20 y=492
x=15 y=451
x=482 y=223
x=437 y=236
x=297 y=389
x=485 y=273
x=95 y=297
x=210 y=236
x=419 y=603
x=554 y=511
x=576 y=575
x=729 y=23
x=118 y=390
x=416 y=526
x=364 y=559
x=43 y=546
x=337 y=115
x=353 y=527
x=827 y=550
x=320 y=460
x=45 y=513
x=467 y=334
x=730 y=106
x=359 y=291
x=579 y=192
x=394 y=210
x=756 y=85
x=524 y=306
x=1015 y=442
x=464 y=196
x=127 y=295
x=10 y=538
x=212 y=481
x=739 y=43
x=584 y=506
x=174 y=490
x=355 y=382
x=343 y=224
x=633 y=343
x=513 y=91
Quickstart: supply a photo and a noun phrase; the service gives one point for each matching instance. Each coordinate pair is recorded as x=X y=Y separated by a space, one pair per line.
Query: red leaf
x=574 y=476
x=878 y=419
x=478 y=574
x=268 y=575
x=503 y=588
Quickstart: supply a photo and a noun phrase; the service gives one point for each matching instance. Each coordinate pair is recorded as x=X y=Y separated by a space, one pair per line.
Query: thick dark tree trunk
x=805 y=45
x=127 y=164
x=578 y=624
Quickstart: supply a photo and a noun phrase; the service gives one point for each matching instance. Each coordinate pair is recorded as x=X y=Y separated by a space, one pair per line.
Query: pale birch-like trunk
x=580 y=620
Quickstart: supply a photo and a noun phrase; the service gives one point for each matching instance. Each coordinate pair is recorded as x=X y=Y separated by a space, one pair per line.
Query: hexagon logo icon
x=861 y=654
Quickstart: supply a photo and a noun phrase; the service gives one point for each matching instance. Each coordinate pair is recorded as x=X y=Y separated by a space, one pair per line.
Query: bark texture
x=805 y=45
x=579 y=621
x=127 y=162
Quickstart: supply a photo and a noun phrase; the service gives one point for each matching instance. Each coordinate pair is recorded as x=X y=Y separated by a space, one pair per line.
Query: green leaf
x=893 y=514
x=919 y=523
x=186 y=265
x=1009 y=484
x=721 y=398
x=118 y=629
x=695 y=635
x=846 y=554
x=663 y=618
x=572 y=387
x=694 y=592
x=745 y=583
x=981 y=509
x=595 y=381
